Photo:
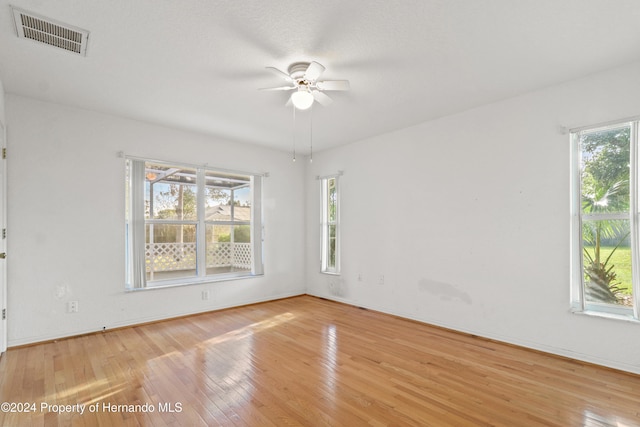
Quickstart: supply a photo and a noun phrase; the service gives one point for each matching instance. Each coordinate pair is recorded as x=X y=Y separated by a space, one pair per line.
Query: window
x=190 y=224
x=330 y=259
x=605 y=249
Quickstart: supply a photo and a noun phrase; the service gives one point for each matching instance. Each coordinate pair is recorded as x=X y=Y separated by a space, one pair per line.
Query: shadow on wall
x=445 y=291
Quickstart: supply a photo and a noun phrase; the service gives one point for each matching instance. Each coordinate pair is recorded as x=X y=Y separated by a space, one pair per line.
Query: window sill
x=330 y=273
x=605 y=315
x=196 y=281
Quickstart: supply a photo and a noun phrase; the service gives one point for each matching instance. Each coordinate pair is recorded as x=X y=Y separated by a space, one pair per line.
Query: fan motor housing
x=298 y=69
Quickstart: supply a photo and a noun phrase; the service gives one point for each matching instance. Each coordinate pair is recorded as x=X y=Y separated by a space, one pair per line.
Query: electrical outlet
x=205 y=295
x=359 y=277
x=381 y=280
x=72 y=307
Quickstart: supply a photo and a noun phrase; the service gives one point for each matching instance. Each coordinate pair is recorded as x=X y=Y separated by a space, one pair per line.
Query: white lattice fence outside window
x=170 y=256
x=242 y=255
x=236 y=255
x=218 y=255
x=182 y=256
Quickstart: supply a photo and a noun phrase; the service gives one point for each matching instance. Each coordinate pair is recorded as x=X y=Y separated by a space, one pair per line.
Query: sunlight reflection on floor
x=228 y=377
x=244 y=332
x=331 y=351
x=591 y=419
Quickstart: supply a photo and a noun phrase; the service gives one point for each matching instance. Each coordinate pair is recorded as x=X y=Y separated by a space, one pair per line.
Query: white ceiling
x=198 y=64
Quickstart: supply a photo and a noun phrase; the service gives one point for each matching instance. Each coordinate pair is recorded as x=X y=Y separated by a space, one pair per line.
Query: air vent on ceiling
x=48 y=31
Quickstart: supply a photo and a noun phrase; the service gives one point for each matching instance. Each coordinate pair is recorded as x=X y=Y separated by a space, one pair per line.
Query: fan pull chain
x=311 y=135
x=294 y=133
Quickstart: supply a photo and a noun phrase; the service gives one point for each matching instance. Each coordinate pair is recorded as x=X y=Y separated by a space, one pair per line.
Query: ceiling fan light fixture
x=302 y=99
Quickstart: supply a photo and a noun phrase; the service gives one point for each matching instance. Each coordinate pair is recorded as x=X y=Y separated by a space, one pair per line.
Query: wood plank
x=306 y=361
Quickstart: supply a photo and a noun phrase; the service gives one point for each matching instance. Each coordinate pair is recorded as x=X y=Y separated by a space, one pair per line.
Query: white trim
x=171 y=221
x=324 y=225
x=330 y=273
x=579 y=301
x=607 y=315
x=201 y=232
x=257 y=228
x=335 y=175
x=136 y=238
x=193 y=165
x=605 y=216
x=136 y=226
x=603 y=125
x=633 y=207
x=577 y=290
x=194 y=280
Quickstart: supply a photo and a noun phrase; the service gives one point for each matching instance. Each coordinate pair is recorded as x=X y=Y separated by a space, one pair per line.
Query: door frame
x=3 y=238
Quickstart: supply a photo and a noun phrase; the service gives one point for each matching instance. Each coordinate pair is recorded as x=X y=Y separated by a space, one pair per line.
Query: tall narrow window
x=330 y=259
x=605 y=219
x=188 y=224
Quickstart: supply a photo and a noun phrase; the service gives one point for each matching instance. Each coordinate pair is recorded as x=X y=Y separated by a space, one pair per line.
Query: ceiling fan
x=303 y=78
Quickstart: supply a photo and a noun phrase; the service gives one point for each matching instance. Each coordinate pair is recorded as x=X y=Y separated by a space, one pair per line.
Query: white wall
x=2 y=108
x=66 y=221
x=467 y=218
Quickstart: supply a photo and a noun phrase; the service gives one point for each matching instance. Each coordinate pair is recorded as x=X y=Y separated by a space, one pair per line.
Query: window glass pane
x=127 y=191
x=170 y=192
x=217 y=191
x=241 y=248
x=242 y=197
x=605 y=159
x=224 y=190
x=221 y=188
x=170 y=251
x=219 y=213
x=332 y=200
x=226 y=251
x=329 y=213
x=607 y=262
x=331 y=261
x=242 y=204
x=242 y=234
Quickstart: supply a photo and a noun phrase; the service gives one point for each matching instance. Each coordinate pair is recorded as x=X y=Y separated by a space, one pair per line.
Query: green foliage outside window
x=605 y=179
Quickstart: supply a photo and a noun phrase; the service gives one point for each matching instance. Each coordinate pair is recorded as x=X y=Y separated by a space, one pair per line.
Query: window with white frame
x=605 y=244
x=190 y=224
x=330 y=232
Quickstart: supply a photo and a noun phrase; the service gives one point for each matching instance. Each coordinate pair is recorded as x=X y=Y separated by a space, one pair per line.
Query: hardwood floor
x=304 y=361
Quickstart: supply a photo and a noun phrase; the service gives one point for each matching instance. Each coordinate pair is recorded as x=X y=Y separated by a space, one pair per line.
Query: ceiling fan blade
x=313 y=71
x=322 y=99
x=278 y=88
x=333 y=85
x=282 y=74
